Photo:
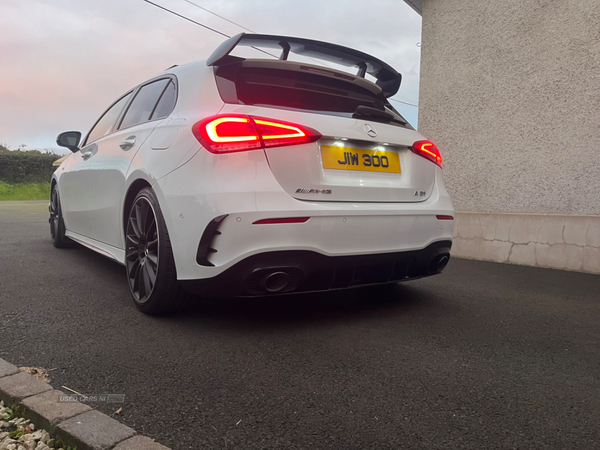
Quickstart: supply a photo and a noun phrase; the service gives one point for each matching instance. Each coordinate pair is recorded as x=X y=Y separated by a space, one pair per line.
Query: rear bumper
x=190 y=204
x=296 y=271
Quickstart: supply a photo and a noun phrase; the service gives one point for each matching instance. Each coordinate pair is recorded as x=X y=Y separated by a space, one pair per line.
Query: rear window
x=143 y=104
x=166 y=103
x=300 y=87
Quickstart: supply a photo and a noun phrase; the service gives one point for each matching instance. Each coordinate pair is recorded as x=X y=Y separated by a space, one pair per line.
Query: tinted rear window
x=302 y=87
x=166 y=103
x=143 y=104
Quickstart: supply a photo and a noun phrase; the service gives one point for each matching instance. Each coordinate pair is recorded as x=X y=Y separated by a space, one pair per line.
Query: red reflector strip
x=444 y=217
x=281 y=220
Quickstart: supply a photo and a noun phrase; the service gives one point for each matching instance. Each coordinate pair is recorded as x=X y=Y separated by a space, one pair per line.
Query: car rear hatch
x=364 y=154
x=357 y=147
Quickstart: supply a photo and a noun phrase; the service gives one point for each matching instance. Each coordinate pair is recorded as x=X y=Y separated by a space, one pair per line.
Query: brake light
x=275 y=133
x=428 y=150
x=236 y=133
x=444 y=217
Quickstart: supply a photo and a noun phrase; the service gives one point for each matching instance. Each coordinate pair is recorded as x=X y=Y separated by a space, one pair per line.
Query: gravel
x=17 y=433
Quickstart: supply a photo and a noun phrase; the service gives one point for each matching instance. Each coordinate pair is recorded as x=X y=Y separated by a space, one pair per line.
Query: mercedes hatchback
x=254 y=177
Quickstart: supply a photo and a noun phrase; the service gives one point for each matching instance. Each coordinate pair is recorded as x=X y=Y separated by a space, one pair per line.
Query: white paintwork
x=74 y=192
x=107 y=177
x=367 y=212
x=369 y=227
x=301 y=166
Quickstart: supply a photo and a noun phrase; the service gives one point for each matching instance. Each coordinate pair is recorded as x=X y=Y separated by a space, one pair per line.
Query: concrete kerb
x=74 y=423
x=7 y=369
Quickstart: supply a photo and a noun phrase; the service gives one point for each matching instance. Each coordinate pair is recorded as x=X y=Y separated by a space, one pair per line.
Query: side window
x=104 y=125
x=166 y=102
x=143 y=104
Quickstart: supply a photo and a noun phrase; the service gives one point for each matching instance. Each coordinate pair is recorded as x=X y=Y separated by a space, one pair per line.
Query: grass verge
x=24 y=191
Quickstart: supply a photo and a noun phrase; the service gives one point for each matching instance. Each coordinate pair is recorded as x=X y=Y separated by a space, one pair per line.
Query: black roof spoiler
x=388 y=79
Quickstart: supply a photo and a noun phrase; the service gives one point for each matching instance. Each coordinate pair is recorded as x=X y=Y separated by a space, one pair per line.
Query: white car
x=251 y=177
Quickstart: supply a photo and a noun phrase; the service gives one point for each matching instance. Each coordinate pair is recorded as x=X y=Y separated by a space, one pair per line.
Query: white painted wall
x=510 y=93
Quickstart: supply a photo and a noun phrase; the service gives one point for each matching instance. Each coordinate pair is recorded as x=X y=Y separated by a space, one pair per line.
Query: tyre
x=57 y=224
x=150 y=265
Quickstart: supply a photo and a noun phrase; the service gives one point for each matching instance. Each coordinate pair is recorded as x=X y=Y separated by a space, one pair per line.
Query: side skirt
x=116 y=254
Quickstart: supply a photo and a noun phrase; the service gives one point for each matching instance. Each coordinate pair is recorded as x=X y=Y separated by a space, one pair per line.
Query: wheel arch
x=134 y=188
x=169 y=294
x=138 y=180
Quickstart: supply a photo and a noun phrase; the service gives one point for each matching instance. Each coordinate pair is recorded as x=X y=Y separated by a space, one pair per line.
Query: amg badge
x=313 y=191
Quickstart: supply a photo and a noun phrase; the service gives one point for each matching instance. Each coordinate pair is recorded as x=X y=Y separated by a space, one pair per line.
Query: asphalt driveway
x=483 y=356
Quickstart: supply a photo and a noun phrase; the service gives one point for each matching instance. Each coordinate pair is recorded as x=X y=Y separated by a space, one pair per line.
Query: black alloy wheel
x=142 y=250
x=149 y=258
x=57 y=224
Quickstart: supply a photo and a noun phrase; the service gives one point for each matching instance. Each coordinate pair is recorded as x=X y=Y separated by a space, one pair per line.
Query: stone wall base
x=553 y=241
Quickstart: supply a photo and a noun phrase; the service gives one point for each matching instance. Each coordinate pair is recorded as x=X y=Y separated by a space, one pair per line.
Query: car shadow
x=319 y=308
x=99 y=263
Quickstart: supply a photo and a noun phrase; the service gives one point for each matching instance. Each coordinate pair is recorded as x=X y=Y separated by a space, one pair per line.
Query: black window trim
x=171 y=77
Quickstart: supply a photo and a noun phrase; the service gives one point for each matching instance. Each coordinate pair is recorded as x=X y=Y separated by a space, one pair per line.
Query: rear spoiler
x=388 y=79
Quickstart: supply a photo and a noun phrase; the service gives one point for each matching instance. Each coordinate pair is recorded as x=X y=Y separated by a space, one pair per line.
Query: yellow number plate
x=345 y=158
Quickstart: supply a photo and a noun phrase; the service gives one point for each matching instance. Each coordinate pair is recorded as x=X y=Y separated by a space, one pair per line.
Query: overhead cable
x=406 y=103
x=201 y=24
x=219 y=16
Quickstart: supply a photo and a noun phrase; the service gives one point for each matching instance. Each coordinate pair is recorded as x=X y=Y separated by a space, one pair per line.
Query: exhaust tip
x=275 y=281
x=442 y=263
x=439 y=263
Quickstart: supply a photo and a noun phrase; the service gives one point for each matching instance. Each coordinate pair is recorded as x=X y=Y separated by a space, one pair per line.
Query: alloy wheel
x=54 y=215
x=142 y=249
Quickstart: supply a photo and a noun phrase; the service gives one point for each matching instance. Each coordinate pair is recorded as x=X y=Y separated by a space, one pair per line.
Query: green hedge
x=28 y=191
x=26 y=167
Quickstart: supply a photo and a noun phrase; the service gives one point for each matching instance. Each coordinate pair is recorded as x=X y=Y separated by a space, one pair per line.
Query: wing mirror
x=70 y=140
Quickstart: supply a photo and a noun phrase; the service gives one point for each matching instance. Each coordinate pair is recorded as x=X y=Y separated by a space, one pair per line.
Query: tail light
x=237 y=133
x=428 y=150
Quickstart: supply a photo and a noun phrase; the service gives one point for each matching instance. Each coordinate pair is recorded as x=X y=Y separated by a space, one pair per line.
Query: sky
x=63 y=62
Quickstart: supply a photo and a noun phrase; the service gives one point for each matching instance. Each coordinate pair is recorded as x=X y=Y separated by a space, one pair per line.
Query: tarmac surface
x=482 y=356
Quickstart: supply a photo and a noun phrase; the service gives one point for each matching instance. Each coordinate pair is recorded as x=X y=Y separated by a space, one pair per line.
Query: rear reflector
x=236 y=133
x=428 y=150
x=281 y=220
x=444 y=217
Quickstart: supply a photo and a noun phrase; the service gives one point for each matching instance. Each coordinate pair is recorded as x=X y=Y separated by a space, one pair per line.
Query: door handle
x=127 y=143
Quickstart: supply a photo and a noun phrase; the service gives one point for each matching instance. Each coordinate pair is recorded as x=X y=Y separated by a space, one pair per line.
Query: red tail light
x=428 y=150
x=236 y=133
